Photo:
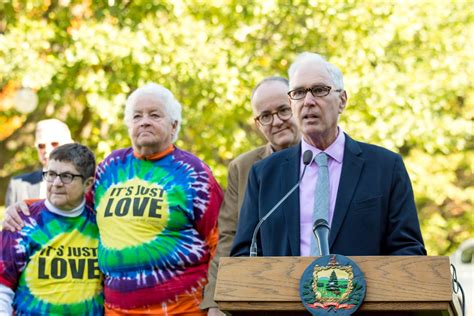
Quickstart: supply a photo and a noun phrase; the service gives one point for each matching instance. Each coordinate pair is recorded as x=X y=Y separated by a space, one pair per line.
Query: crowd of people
x=142 y=233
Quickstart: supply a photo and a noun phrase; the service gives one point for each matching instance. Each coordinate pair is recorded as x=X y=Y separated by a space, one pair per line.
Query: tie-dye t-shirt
x=51 y=264
x=157 y=221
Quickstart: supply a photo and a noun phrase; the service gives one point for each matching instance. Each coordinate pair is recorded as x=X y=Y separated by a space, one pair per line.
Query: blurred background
x=408 y=66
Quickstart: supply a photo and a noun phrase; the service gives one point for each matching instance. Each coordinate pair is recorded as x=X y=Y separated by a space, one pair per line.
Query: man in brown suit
x=274 y=119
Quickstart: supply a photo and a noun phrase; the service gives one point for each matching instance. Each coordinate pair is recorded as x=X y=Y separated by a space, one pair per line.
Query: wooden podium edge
x=293 y=306
x=229 y=290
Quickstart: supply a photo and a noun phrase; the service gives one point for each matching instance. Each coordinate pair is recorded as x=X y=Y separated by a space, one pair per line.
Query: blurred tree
x=408 y=69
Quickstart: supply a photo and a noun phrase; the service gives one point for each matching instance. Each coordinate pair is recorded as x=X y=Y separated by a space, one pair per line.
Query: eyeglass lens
x=267 y=118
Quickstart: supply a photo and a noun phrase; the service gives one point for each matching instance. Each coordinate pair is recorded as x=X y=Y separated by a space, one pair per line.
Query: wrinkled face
x=150 y=125
x=66 y=196
x=270 y=97
x=317 y=117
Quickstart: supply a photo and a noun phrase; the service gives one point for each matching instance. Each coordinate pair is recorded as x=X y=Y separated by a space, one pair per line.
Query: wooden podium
x=396 y=285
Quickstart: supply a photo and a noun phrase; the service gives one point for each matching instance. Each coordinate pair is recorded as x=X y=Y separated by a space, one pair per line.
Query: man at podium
x=362 y=191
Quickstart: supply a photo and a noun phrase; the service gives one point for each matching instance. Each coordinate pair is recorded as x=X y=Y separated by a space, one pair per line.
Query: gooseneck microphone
x=307 y=158
x=321 y=232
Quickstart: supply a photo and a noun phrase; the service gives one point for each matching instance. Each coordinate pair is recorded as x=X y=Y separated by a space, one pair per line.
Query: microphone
x=307 y=158
x=321 y=232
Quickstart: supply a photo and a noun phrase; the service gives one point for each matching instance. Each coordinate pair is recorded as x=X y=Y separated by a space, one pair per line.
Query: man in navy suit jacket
x=371 y=209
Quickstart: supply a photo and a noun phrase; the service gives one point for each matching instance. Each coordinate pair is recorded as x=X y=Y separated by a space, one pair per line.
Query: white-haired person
x=49 y=134
x=157 y=208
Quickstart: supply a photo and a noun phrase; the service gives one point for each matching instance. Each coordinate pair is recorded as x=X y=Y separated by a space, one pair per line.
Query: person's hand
x=214 y=311
x=12 y=221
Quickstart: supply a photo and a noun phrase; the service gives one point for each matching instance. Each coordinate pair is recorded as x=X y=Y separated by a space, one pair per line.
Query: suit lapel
x=289 y=171
x=351 y=169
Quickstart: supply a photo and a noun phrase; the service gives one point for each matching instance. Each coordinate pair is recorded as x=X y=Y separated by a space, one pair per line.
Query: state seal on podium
x=332 y=285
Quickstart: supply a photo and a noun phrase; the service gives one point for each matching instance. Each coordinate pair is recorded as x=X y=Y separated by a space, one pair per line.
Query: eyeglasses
x=266 y=118
x=316 y=91
x=65 y=178
x=43 y=146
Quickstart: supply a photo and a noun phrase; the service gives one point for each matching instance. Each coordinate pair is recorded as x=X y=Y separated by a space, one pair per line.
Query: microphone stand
x=307 y=158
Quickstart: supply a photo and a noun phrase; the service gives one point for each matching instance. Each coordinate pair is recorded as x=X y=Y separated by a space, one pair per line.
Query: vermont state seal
x=332 y=285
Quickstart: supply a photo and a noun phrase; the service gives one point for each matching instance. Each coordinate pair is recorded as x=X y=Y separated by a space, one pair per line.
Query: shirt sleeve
x=404 y=234
x=6 y=300
x=12 y=258
x=248 y=218
x=206 y=223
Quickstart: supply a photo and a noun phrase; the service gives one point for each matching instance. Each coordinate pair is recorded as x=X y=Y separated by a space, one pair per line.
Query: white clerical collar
x=72 y=213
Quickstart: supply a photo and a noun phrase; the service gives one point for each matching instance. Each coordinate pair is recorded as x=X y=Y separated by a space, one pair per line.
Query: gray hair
x=269 y=79
x=79 y=155
x=334 y=72
x=161 y=94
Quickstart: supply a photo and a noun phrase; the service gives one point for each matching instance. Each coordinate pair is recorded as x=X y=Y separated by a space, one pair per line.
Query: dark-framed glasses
x=316 y=91
x=266 y=118
x=65 y=177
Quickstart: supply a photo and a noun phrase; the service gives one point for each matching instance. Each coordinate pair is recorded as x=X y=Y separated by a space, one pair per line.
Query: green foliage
x=408 y=70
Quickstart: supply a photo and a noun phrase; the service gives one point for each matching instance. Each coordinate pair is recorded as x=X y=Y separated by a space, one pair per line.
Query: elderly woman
x=50 y=266
x=157 y=208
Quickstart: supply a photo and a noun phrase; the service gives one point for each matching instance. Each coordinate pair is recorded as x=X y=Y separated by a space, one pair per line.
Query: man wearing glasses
x=49 y=134
x=274 y=119
x=364 y=194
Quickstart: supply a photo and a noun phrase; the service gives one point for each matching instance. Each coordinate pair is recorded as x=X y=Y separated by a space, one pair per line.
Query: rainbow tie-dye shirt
x=51 y=264
x=157 y=222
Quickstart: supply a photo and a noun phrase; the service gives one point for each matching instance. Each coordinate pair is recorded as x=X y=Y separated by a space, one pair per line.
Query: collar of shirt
x=155 y=156
x=72 y=213
x=335 y=150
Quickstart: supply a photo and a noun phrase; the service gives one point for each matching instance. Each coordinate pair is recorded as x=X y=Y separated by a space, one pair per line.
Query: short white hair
x=334 y=72
x=160 y=94
x=52 y=130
